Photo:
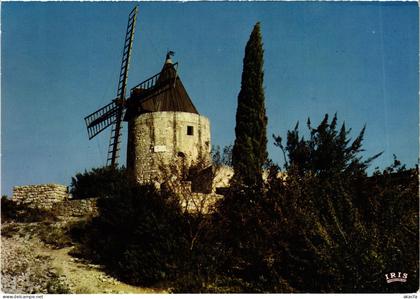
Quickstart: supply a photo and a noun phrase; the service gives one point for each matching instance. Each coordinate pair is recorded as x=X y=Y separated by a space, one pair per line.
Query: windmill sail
x=112 y=114
x=115 y=139
x=101 y=119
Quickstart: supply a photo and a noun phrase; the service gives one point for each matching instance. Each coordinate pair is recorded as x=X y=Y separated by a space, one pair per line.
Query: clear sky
x=60 y=62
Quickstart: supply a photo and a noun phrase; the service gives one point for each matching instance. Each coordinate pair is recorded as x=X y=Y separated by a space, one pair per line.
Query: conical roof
x=167 y=93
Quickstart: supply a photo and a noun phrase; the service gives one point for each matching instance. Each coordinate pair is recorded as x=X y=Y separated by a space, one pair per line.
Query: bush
x=338 y=229
x=97 y=182
x=55 y=235
x=247 y=225
x=138 y=235
x=57 y=286
x=12 y=211
x=9 y=209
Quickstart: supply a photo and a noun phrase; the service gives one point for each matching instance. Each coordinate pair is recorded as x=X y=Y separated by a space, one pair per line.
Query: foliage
x=96 y=182
x=55 y=235
x=340 y=230
x=9 y=209
x=250 y=148
x=246 y=224
x=394 y=217
x=326 y=226
x=328 y=151
x=57 y=286
x=22 y=212
x=222 y=157
x=138 y=234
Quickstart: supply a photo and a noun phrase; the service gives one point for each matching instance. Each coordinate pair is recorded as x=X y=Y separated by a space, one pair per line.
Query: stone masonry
x=54 y=197
x=162 y=139
x=40 y=196
x=77 y=207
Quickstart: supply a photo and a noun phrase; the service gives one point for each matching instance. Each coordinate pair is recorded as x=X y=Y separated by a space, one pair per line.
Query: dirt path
x=85 y=278
x=28 y=264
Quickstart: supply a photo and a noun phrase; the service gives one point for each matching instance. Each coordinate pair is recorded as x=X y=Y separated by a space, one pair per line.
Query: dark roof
x=167 y=93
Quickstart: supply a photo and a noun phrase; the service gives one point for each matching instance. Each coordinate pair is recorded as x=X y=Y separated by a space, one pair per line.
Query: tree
x=250 y=148
x=327 y=152
x=222 y=157
x=239 y=216
x=340 y=230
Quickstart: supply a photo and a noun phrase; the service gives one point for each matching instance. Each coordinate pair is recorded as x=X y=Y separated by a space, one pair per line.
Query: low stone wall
x=40 y=196
x=54 y=197
x=77 y=207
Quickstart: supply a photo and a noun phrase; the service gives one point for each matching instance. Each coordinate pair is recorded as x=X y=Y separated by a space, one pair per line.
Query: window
x=190 y=130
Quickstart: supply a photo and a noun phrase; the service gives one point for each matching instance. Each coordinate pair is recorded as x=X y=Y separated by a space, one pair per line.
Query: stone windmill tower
x=164 y=127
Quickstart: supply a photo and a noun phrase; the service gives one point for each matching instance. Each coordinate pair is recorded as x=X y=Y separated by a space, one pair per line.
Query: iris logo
x=396 y=276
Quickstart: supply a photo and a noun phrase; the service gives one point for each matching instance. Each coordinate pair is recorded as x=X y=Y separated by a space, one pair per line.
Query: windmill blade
x=101 y=119
x=115 y=139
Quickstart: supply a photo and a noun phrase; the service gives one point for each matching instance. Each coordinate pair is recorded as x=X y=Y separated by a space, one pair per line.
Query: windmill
x=163 y=123
x=112 y=114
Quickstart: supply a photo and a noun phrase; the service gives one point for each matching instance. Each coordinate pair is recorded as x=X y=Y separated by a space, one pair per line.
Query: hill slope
x=29 y=265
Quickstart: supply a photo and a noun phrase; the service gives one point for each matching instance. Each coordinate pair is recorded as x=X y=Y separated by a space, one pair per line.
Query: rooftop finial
x=169 y=55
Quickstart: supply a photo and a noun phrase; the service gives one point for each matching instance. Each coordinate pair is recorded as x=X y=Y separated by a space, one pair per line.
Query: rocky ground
x=30 y=265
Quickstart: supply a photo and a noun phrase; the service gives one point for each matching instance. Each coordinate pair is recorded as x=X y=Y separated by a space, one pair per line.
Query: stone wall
x=54 y=197
x=160 y=140
x=40 y=196
x=77 y=207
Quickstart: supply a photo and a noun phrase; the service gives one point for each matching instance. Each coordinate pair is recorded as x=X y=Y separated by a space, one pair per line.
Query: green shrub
x=57 y=236
x=97 y=182
x=337 y=229
x=9 y=230
x=57 y=286
x=20 y=212
x=246 y=223
x=9 y=209
x=138 y=235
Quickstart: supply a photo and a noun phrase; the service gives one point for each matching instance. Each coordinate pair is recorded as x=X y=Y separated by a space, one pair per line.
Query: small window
x=190 y=130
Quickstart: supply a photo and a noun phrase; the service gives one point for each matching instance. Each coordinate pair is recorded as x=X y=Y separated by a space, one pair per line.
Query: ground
x=30 y=265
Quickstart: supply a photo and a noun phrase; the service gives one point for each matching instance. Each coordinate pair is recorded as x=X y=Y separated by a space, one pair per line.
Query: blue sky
x=60 y=62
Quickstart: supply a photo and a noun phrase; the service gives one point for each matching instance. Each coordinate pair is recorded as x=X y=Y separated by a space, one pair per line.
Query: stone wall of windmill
x=160 y=141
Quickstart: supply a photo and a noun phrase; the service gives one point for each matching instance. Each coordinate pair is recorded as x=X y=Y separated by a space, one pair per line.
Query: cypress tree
x=250 y=148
